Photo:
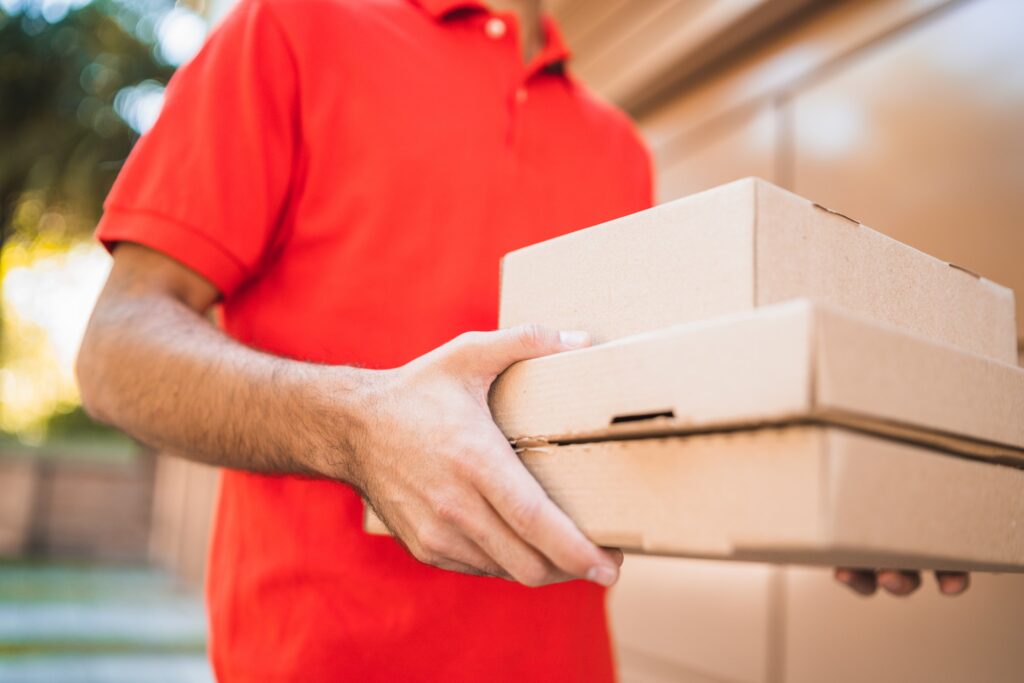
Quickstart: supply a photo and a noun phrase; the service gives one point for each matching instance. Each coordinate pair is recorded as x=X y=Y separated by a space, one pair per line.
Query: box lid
x=739 y=246
x=798 y=361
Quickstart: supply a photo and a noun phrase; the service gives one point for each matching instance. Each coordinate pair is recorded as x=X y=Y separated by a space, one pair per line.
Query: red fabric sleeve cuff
x=175 y=239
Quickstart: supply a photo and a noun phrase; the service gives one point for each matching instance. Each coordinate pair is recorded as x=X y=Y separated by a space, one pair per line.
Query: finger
x=439 y=545
x=492 y=352
x=467 y=557
x=495 y=538
x=862 y=581
x=616 y=555
x=517 y=497
x=952 y=583
x=459 y=567
x=899 y=582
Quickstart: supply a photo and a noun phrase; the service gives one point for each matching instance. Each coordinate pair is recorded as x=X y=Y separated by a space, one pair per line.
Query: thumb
x=497 y=350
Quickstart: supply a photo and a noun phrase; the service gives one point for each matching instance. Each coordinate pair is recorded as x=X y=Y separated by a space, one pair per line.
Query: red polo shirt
x=348 y=174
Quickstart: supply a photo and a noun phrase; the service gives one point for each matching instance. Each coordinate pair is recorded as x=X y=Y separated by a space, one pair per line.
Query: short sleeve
x=208 y=184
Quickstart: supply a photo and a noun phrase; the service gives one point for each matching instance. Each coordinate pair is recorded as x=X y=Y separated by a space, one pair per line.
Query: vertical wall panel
x=923 y=138
x=699 y=619
x=833 y=635
x=745 y=146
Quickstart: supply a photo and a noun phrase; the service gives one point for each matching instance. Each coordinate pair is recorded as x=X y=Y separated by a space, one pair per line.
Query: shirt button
x=495 y=28
x=520 y=95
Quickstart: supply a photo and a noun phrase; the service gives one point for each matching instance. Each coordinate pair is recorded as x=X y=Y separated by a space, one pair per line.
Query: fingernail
x=893 y=583
x=574 y=339
x=952 y=585
x=602 y=575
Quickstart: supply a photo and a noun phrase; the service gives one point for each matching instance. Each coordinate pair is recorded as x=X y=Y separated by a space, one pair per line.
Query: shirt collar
x=441 y=8
x=552 y=56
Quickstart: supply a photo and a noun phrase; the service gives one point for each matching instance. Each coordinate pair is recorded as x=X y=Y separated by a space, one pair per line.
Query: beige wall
x=905 y=115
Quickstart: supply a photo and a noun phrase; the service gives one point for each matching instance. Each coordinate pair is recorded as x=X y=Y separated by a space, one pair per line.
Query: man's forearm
x=159 y=371
x=418 y=441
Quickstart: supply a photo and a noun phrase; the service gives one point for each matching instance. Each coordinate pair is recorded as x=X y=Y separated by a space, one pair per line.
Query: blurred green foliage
x=62 y=141
x=67 y=70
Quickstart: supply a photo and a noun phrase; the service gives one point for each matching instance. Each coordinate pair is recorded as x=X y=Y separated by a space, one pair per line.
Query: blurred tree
x=79 y=81
x=61 y=140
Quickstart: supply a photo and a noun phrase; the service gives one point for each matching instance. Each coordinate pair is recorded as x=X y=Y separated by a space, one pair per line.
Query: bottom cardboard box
x=802 y=494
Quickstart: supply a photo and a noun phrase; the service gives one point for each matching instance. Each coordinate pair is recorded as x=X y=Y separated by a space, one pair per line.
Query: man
x=342 y=177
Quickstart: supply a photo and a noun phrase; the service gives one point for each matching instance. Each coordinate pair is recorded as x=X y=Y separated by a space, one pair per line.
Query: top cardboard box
x=740 y=246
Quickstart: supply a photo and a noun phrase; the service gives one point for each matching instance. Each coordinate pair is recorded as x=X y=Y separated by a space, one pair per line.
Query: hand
x=899 y=582
x=446 y=481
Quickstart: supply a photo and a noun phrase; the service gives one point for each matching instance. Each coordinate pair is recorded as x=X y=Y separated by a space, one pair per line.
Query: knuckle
x=464 y=465
x=534 y=575
x=421 y=553
x=525 y=515
x=449 y=509
x=533 y=335
x=468 y=339
x=471 y=457
x=433 y=544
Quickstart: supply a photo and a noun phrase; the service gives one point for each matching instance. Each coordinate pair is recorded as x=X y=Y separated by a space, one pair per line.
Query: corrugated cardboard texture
x=796 y=361
x=801 y=495
x=743 y=245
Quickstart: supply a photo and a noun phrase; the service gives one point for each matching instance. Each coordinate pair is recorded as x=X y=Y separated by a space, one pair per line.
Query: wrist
x=344 y=406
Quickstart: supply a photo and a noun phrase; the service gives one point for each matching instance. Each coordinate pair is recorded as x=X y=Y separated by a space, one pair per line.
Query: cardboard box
x=791 y=362
x=795 y=495
x=737 y=247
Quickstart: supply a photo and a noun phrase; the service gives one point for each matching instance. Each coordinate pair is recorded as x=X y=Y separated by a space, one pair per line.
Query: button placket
x=497 y=28
x=516 y=103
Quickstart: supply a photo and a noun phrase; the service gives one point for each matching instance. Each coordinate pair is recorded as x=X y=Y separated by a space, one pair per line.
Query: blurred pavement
x=86 y=624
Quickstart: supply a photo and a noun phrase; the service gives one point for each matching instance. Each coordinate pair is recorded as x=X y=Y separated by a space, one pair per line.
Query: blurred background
x=905 y=114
